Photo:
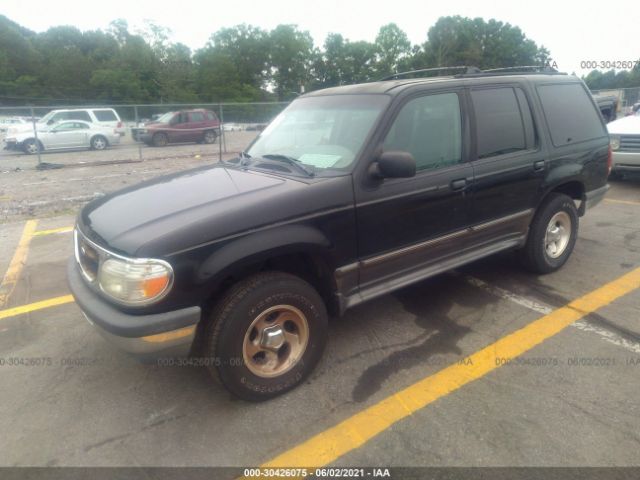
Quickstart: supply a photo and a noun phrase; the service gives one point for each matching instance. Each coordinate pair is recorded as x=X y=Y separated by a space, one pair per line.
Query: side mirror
x=394 y=164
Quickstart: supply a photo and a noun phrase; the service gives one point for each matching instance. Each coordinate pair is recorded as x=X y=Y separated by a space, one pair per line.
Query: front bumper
x=156 y=335
x=626 y=161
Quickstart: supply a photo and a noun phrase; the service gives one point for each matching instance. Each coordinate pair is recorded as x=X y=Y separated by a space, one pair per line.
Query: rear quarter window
x=570 y=114
x=105 y=115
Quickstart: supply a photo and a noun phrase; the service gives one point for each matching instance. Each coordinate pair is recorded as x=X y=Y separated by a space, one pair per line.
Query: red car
x=199 y=125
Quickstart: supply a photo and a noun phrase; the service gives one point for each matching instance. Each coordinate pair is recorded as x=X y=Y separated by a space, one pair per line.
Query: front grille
x=87 y=256
x=629 y=143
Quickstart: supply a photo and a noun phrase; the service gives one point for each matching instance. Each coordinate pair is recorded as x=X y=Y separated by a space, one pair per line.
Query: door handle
x=458 y=184
x=538 y=166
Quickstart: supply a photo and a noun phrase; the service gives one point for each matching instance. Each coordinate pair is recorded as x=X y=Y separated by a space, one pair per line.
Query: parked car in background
x=6 y=123
x=232 y=127
x=625 y=144
x=179 y=127
x=69 y=134
x=106 y=117
x=608 y=106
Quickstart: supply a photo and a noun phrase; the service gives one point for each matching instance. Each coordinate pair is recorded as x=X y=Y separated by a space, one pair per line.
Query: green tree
x=290 y=58
x=392 y=48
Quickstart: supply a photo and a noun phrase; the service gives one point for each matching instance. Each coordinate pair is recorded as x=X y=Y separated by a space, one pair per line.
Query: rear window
x=570 y=114
x=211 y=115
x=105 y=115
x=500 y=127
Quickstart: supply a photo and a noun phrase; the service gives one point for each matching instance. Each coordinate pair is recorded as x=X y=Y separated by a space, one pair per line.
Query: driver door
x=406 y=225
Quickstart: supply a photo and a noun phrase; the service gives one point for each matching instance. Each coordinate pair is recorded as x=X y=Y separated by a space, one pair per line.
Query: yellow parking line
x=17 y=262
x=624 y=202
x=32 y=307
x=41 y=233
x=355 y=431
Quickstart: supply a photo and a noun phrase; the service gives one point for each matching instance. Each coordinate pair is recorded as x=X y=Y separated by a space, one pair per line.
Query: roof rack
x=467 y=70
x=476 y=72
x=523 y=68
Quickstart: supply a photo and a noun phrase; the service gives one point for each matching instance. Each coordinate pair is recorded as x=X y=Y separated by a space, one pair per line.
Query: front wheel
x=266 y=335
x=160 y=140
x=552 y=235
x=31 y=147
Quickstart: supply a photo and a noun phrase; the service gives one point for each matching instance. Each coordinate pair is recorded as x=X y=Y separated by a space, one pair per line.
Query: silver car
x=70 y=134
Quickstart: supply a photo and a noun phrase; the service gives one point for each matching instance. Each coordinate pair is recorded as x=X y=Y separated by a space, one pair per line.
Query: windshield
x=166 y=118
x=325 y=132
x=47 y=117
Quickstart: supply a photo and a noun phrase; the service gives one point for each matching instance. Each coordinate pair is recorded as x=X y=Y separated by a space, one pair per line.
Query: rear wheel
x=209 y=136
x=98 y=142
x=160 y=140
x=552 y=235
x=266 y=335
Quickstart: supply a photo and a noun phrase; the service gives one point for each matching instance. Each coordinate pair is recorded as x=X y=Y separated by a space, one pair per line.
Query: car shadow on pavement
x=431 y=302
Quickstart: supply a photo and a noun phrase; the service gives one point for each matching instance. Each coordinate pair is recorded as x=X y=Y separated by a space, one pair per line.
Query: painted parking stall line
x=17 y=262
x=355 y=431
x=584 y=325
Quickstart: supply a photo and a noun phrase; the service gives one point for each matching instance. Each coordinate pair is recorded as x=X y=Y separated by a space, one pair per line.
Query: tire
x=552 y=235
x=235 y=337
x=209 y=137
x=30 y=147
x=99 y=143
x=160 y=140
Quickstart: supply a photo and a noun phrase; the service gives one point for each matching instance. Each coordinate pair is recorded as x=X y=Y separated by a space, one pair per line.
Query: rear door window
x=81 y=115
x=105 y=115
x=500 y=127
x=570 y=113
x=196 y=117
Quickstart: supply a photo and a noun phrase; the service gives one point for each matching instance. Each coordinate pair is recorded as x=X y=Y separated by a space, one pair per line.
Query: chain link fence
x=32 y=136
x=627 y=97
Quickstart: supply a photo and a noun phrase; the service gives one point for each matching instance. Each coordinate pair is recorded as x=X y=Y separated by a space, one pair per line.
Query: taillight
x=609 y=161
x=119 y=125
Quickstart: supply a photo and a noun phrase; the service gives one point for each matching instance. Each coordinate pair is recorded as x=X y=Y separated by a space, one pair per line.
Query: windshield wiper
x=291 y=161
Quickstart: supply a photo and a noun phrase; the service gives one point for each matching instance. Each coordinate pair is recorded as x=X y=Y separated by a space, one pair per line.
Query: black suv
x=350 y=193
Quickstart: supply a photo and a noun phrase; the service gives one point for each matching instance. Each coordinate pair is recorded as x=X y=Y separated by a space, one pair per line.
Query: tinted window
x=77 y=116
x=197 y=116
x=499 y=125
x=211 y=115
x=429 y=128
x=105 y=115
x=570 y=113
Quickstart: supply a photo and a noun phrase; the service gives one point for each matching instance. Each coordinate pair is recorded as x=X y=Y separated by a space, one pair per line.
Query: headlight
x=615 y=141
x=135 y=282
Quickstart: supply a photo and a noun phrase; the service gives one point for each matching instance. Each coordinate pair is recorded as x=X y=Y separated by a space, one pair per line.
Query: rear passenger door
x=196 y=126
x=508 y=162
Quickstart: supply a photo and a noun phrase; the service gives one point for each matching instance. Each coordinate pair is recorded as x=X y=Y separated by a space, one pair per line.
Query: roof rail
x=523 y=68
x=476 y=72
x=467 y=70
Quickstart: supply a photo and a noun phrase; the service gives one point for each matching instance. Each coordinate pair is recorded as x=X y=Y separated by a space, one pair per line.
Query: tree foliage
x=242 y=63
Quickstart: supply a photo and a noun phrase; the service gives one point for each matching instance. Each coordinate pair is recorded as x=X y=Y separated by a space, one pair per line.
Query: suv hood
x=625 y=126
x=177 y=212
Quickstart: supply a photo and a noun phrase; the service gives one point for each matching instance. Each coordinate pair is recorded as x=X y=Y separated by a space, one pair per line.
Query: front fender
x=260 y=246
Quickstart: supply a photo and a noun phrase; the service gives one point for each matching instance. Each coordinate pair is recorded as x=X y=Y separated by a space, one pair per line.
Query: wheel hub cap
x=558 y=234
x=272 y=337
x=275 y=341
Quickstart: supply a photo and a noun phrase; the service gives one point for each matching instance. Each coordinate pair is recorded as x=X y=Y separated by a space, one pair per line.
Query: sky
x=573 y=31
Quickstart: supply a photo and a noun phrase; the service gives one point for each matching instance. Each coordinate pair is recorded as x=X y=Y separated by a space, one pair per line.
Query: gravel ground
x=26 y=191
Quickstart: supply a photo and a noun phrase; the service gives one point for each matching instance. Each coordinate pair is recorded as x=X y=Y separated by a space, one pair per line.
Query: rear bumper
x=626 y=161
x=146 y=336
x=593 y=198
